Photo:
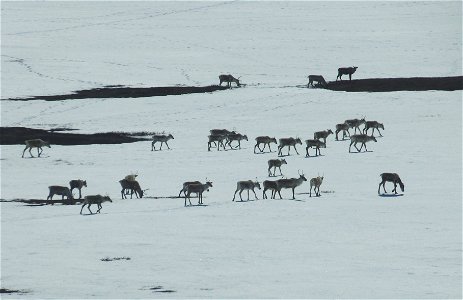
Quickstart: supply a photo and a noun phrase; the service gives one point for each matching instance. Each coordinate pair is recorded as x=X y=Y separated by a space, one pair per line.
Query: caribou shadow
x=390 y=195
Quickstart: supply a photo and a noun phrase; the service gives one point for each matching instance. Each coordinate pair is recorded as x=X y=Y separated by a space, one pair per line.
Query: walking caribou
x=36 y=143
x=322 y=135
x=229 y=79
x=266 y=140
x=235 y=137
x=290 y=183
x=360 y=138
x=315 y=183
x=344 y=127
x=216 y=139
x=288 y=142
x=246 y=185
x=355 y=123
x=391 y=177
x=346 y=71
x=163 y=138
x=373 y=125
x=95 y=199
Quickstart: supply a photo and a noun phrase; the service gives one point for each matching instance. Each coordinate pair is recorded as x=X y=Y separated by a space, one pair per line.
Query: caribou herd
x=223 y=139
x=231 y=140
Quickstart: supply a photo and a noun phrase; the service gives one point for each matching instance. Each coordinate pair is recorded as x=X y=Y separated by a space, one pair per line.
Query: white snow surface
x=348 y=243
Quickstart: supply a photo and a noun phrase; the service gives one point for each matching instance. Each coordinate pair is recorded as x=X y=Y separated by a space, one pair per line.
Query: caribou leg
x=255 y=194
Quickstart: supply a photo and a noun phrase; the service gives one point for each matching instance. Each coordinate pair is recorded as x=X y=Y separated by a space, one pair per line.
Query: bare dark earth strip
x=17 y=136
x=398 y=84
x=127 y=92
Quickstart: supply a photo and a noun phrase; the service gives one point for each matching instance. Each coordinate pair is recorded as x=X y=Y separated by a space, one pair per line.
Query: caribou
x=217 y=140
x=288 y=142
x=346 y=71
x=355 y=123
x=235 y=137
x=229 y=79
x=290 y=183
x=275 y=163
x=344 y=127
x=197 y=188
x=269 y=185
x=246 y=185
x=373 y=125
x=185 y=187
x=63 y=191
x=322 y=135
x=317 y=144
x=315 y=183
x=131 y=185
x=78 y=184
x=161 y=138
x=95 y=199
x=266 y=140
x=391 y=177
x=361 y=138
x=36 y=143
x=318 y=79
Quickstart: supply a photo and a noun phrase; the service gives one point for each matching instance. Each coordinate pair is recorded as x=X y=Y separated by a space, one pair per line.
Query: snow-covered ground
x=348 y=243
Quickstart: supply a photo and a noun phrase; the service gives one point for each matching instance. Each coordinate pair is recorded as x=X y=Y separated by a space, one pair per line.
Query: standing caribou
x=229 y=79
x=346 y=71
x=288 y=142
x=185 y=187
x=131 y=185
x=315 y=183
x=290 y=183
x=361 y=138
x=246 y=185
x=373 y=125
x=266 y=140
x=163 y=138
x=36 y=143
x=78 y=184
x=269 y=185
x=63 y=191
x=318 y=79
x=275 y=163
x=391 y=177
x=317 y=144
x=197 y=188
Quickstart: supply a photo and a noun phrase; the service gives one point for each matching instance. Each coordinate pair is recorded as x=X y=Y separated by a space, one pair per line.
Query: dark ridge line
x=452 y=83
x=127 y=92
x=17 y=136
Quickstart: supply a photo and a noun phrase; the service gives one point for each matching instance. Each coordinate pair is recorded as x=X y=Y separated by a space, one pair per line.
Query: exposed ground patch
x=8 y=291
x=398 y=84
x=17 y=136
x=127 y=92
